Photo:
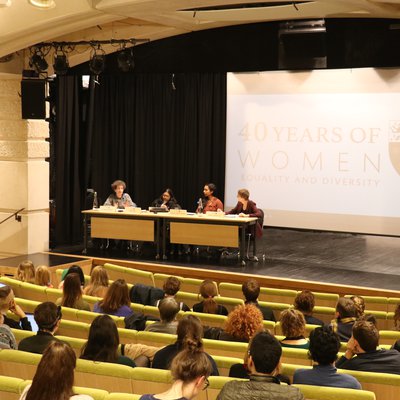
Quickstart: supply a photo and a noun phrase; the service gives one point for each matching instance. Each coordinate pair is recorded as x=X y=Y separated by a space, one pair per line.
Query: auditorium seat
x=10 y=388
x=224 y=363
x=123 y=396
x=381 y=318
x=89 y=316
x=269 y=325
x=224 y=348
x=73 y=329
x=325 y=299
x=18 y=364
x=127 y=335
x=131 y=275
x=150 y=380
x=207 y=319
x=325 y=314
x=376 y=303
x=155 y=339
x=32 y=292
x=53 y=294
x=13 y=283
x=393 y=302
x=277 y=308
x=277 y=295
x=159 y=279
x=333 y=393
x=228 y=302
x=192 y=285
x=188 y=298
x=388 y=337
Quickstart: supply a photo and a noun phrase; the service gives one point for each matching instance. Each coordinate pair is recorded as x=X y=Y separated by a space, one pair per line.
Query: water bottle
x=200 y=205
x=95 y=201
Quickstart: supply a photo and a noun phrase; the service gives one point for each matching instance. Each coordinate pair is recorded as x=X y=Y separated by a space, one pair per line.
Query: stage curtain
x=69 y=135
x=151 y=130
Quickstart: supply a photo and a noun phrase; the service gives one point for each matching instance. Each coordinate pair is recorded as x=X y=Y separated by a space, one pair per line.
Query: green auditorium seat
x=224 y=363
x=277 y=295
x=207 y=319
x=325 y=314
x=123 y=396
x=53 y=294
x=216 y=384
x=229 y=302
x=159 y=279
x=18 y=364
x=89 y=316
x=32 y=292
x=102 y=375
x=150 y=380
x=155 y=339
x=131 y=275
x=325 y=299
x=73 y=329
x=191 y=285
x=127 y=335
x=224 y=348
x=10 y=388
x=393 y=302
x=277 y=308
x=13 y=283
x=333 y=393
x=188 y=298
x=21 y=334
x=388 y=337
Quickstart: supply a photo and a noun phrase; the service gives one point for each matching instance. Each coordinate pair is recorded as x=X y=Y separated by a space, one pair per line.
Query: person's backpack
x=136 y=321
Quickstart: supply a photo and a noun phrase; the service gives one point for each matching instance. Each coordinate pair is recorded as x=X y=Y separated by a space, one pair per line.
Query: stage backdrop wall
x=317 y=149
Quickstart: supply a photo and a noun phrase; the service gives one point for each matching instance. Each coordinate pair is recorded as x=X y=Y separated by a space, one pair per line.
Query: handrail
x=17 y=217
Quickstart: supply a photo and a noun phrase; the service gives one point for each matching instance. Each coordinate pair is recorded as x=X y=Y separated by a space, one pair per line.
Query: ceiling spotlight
x=38 y=61
x=43 y=4
x=97 y=62
x=60 y=64
x=125 y=60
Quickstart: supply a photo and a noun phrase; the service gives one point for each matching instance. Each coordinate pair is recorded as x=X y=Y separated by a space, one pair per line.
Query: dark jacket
x=144 y=294
x=268 y=314
x=381 y=360
x=312 y=320
x=37 y=343
x=23 y=324
x=221 y=310
x=343 y=327
x=259 y=387
x=251 y=211
x=171 y=204
x=163 y=357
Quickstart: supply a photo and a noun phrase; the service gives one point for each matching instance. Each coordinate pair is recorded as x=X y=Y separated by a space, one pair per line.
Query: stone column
x=24 y=174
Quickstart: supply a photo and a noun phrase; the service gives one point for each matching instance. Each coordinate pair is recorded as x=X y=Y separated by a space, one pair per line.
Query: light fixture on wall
x=43 y=4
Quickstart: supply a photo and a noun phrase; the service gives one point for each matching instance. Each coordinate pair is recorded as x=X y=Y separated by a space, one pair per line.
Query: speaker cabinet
x=33 y=93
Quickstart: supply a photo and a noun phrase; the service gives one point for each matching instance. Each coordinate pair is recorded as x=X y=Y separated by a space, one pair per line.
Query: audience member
x=293 y=327
x=305 y=302
x=26 y=272
x=190 y=370
x=362 y=353
x=324 y=347
x=168 y=308
x=7 y=303
x=7 y=338
x=72 y=294
x=359 y=303
x=242 y=323
x=208 y=290
x=103 y=342
x=171 y=287
x=264 y=364
x=190 y=333
x=98 y=284
x=251 y=291
x=346 y=315
x=42 y=276
x=54 y=377
x=73 y=269
x=116 y=301
x=47 y=316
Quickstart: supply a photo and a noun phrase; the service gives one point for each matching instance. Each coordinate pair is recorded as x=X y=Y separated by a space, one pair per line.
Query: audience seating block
x=333 y=393
x=131 y=275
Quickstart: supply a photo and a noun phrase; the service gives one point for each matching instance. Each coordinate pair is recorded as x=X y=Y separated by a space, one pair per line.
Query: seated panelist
x=119 y=199
x=166 y=200
x=247 y=208
x=209 y=202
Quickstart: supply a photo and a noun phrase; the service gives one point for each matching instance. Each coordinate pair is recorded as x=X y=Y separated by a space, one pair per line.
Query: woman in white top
x=54 y=375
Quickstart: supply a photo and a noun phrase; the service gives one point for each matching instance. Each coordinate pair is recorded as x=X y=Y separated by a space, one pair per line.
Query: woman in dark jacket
x=166 y=200
x=247 y=208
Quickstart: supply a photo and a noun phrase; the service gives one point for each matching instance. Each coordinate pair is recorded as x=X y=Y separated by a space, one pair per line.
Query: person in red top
x=247 y=208
x=209 y=202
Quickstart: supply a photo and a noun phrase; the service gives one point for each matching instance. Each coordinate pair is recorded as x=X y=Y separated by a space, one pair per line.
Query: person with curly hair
x=243 y=322
x=293 y=327
x=359 y=303
x=324 y=348
x=305 y=302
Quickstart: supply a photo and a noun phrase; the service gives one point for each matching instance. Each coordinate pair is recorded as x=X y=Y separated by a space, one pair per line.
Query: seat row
x=233 y=290
x=17 y=367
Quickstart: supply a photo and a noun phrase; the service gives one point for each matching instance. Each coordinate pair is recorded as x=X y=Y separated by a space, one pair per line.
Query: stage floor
x=340 y=258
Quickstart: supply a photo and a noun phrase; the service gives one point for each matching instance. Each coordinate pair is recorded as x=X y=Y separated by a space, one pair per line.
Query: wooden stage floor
x=328 y=257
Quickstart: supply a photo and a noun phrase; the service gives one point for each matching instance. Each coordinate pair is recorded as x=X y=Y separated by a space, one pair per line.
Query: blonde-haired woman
x=26 y=272
x=42 y=276
x=99 y=283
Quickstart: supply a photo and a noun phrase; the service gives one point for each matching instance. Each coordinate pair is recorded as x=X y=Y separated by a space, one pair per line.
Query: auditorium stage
x=338 y=258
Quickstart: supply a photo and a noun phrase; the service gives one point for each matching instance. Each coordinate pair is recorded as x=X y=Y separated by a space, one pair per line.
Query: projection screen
x=317 y=149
